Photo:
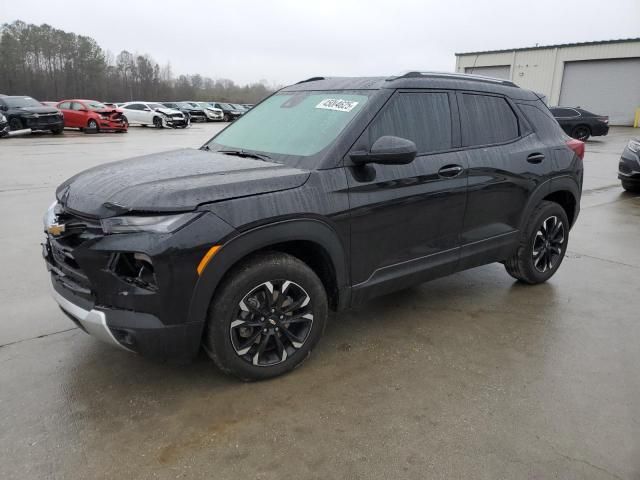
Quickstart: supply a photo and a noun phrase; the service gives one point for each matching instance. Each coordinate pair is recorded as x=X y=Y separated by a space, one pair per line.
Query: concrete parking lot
x=470 y=376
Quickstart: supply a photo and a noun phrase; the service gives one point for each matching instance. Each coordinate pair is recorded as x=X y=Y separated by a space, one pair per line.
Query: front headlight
x=155 y=224
x=3 y=118
x=634 y=146
x=50 y=215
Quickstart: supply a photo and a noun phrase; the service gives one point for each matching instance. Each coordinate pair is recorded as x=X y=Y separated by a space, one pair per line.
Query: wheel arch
x=564 y=191
x=313 y=241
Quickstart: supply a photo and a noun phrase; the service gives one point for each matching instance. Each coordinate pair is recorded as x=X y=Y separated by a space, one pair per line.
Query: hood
x=178 y=180
x=168 y=111
x=43 y=109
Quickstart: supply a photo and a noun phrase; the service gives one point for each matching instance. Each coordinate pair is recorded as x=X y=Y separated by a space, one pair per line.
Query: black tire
x=226 y=118
x=238 y=349
x=633 y=187
x=57 y=131
x=581 y=132
x=530 y=268
x=15 y=124
x=92 y=126
x=157 y=122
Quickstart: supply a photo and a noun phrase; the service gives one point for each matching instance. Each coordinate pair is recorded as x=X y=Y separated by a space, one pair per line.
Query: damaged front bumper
x=129 y=290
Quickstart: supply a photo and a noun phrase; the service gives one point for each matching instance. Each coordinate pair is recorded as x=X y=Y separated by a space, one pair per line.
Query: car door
x=506 y=163
x=80 y=114
x=406 y=219
x=130 y=112
x=135 y=113
x=65 y=108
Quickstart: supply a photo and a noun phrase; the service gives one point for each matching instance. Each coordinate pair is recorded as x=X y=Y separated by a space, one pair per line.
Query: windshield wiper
x=245 y=154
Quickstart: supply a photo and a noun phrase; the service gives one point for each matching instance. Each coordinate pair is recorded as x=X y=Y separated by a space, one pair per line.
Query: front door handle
x=450 y=171
x=535 y=158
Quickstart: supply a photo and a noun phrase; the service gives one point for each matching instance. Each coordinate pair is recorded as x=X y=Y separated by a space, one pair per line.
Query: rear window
x=486 y=120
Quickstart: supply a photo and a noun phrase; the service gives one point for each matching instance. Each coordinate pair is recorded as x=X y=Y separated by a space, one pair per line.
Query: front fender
x=238 y=247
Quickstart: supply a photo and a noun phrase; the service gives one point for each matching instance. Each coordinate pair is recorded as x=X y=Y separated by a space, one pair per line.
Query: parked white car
x=213 y=114
x=151 y=113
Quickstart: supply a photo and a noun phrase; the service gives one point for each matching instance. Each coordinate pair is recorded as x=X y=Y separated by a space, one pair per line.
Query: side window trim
x=521 y=134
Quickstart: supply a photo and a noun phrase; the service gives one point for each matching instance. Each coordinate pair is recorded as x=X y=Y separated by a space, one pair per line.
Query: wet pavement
x=470 y=376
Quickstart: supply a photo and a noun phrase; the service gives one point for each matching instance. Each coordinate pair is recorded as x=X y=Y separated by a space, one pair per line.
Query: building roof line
x=559 y=45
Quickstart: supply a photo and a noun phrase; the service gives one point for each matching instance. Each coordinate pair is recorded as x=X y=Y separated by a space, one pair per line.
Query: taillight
x=604 y=119
x=577 y=146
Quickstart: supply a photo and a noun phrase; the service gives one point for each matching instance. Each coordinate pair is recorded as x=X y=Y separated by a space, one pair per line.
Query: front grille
x=61 y=251
x=43 y=120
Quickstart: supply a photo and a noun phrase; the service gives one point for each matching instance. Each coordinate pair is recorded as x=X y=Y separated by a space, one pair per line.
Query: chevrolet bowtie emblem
x=56 y=229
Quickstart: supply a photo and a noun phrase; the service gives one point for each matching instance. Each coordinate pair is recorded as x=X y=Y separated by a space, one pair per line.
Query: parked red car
x=92 y=116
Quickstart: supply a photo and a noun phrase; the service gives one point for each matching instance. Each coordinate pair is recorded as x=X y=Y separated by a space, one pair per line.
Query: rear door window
x=486 y=120
x=424 y=118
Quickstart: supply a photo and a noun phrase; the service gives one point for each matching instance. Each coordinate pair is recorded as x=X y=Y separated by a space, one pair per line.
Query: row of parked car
x=22 y=114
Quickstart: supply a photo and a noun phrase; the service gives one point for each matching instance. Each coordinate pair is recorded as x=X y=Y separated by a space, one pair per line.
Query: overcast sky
x=285 y=41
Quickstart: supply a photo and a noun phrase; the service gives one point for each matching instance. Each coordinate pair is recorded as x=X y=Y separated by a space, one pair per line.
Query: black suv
x=25 y=112
x=326 y=194
x=581 y=124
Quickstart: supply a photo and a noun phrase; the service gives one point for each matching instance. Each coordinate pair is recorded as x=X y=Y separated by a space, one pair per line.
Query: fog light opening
x=135 y=268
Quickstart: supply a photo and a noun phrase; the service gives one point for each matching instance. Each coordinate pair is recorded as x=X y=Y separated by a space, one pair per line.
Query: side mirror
x=147 y=109
x=388 y=150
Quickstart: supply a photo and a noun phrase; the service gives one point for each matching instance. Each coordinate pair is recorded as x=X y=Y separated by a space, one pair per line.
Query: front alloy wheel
x=272 y=321
x=266 y=317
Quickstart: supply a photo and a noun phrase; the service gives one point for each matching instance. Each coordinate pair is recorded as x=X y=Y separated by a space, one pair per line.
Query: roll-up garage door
x=498 y=71
x=604 y=87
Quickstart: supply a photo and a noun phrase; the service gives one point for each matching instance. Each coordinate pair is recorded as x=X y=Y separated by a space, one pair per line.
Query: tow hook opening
x=135 y=269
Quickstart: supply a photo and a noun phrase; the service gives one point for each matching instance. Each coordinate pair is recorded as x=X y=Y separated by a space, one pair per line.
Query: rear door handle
x=450 y=171
x=535 y=158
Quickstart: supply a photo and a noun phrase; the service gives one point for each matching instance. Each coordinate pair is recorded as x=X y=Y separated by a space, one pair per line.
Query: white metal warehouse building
x=602 y=77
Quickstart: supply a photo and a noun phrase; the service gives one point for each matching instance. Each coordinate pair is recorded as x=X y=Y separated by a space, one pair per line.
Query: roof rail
x=312 y=79
x=461 y=76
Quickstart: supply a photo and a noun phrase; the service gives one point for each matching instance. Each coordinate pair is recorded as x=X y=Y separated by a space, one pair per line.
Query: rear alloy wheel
x=542 y=245
x=266 y=318
x=581 y=132
x=226 y=118
x=157 y=122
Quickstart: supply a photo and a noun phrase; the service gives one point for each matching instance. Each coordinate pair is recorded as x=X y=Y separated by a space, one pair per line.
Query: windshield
x=185 y=105
x=292 y=123
x=19 y=102
x=95 y=105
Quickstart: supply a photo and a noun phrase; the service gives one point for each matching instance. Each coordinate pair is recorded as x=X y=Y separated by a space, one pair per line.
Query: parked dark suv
x=581 y=124
x=25 y=112
x=326 y=194
x=629 y=166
